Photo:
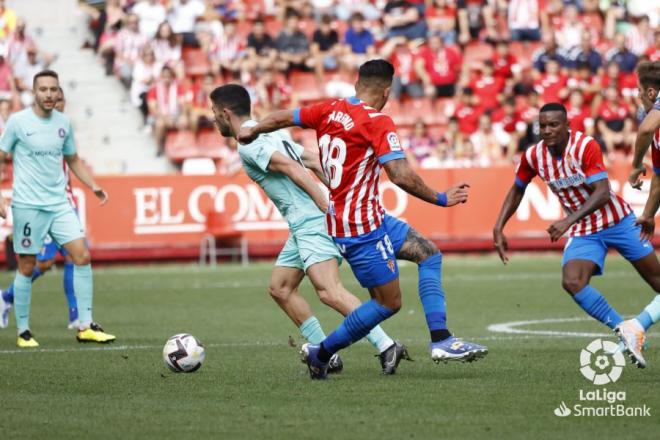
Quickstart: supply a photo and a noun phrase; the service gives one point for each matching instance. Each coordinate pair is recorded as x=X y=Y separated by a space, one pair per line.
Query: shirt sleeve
x=8 y=138
x=259 y=152
x=69 y=148
x=592 y=163
x=385 y=140
x=310 y=116
x=656 y=105
x=525 y=172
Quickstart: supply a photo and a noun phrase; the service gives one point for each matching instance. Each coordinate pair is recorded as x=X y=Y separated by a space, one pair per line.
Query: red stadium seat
x=305 y=86
x=210 y=144
x=476 y=53
x=196 y=62
x=180 y=145
x=222 y=238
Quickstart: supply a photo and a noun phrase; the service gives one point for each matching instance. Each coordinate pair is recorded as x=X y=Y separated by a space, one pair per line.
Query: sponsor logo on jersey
x=393 y=140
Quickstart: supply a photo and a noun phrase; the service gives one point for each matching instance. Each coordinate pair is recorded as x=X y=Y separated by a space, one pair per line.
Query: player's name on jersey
x=344 y=119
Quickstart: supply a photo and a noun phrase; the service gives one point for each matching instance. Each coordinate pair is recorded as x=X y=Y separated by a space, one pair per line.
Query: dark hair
x=167 y=68
x=376 y=71
x=553 y=107
x=61 y=90
x=234 y=97
x=648 y=74
x=357 y=16
x=44 y=73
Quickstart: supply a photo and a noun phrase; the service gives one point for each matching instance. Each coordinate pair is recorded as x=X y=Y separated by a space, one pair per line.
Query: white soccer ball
x=183 y=353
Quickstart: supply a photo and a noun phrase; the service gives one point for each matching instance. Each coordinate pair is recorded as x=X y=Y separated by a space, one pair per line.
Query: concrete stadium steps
x=108 y=128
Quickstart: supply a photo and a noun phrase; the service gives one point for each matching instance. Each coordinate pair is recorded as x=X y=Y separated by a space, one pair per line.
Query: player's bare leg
x=88 y=331
x=283 y=288
x=444 y=347
x=632 y=332
x=325 y=279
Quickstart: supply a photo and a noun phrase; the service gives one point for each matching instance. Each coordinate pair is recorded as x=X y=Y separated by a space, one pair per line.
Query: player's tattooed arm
x=416 y=248
x=644 y=138
x=272 y=122
x=3 y=202
x=510 y=205
x=312 y=162
x=279 y=163
x=647 y=219
x=82 y=173
x=596 y=200
x=403 y=176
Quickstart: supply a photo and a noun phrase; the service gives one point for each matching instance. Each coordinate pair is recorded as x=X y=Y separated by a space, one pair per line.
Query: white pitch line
x=511 y=328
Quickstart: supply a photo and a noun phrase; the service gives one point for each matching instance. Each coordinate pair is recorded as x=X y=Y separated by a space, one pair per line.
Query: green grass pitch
x=253 y=386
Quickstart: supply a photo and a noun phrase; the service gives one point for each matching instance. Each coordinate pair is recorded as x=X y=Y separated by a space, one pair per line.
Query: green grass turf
x=252 y=384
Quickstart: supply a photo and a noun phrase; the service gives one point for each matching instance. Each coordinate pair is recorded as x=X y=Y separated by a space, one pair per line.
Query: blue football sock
x=69 y=292
x=432 y=294
x=83 y=287
x=23 y=293
x=651 y=313
x=8 y=295
x=356 y=326
x=36 y=273
x=597 y=306
x=311 y=330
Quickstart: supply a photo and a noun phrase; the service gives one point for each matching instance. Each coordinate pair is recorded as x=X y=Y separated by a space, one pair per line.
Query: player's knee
x=82 y=258
x=279 y=292
x=572 y=284
x=330 y=297
x=45 y=266
x=394 y=304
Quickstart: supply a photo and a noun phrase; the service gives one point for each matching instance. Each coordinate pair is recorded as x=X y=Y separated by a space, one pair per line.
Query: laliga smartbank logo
x=601 y=363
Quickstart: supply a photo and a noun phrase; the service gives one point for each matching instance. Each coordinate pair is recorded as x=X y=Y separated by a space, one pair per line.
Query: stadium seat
x=305 y=86
x=180 y=145
x=210 y=144
x=195 y=61
x=476 y=53
x=222 y=238
x=198 y=166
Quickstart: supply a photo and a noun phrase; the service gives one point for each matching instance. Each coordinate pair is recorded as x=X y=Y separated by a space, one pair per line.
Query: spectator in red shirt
x=166 y=101
x=128 y=45
x=653 y=52
x=579 y=114
x=614 y=121
x=506 y=64
x=487 y=87
x=467 y=112
x=272 y=93
x=403 y=55
x=438 y=67
x=441 y=20
x=552 y=84
x=585 y=81
x=201 y=115
x=7 y=82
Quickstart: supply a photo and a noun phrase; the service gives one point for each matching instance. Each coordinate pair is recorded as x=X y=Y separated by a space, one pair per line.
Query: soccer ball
x=183 y=353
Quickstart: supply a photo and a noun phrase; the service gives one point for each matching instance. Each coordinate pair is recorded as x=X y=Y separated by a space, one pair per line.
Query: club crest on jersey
x=393 y=140
x=61 y=132
x=390 y=265
x=26 y=242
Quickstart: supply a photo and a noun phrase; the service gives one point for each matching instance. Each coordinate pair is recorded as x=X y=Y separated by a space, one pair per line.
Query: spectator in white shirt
x=524 y=21
x=151 y=13
x=183 y=16
x=167 y=49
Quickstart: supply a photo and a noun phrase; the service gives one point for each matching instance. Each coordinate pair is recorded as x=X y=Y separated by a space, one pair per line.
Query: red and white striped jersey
x=570 y=178
x=354 y=141
x=655 y=151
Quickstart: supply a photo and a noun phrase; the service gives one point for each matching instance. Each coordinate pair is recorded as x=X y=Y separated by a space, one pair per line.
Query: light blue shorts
x=624 y=237
x=31 y=226
x=308 y=245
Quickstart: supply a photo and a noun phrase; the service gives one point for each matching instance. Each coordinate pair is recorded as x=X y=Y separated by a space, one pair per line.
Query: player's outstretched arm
x=82 y=173
x=644 y=138
x=510 y=205
x=403 y=176
x=312 y=162
x=293 y=170
x=3 y=202
x=596 y=200
x=647 y=219
x=272 y=122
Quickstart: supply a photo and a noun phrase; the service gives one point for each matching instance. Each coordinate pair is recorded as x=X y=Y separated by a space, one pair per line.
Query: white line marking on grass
x=511 y=328
x=133 y=347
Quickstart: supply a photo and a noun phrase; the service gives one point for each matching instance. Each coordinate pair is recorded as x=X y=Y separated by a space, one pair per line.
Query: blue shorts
x=624 y=237
x=372 y=256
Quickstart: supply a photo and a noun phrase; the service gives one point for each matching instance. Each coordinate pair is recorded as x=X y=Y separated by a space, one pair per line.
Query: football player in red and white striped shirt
x=355 y=141
x=571 y=164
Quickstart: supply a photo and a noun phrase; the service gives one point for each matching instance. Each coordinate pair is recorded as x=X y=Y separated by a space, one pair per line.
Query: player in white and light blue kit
x=39 y=138
x=277 y=164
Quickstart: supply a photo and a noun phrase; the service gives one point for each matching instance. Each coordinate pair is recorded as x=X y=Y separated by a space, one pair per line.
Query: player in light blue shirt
x=277 y=164
x=39 y=138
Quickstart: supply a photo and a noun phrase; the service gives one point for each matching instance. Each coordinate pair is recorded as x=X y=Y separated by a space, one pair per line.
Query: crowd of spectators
x=480 y=68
